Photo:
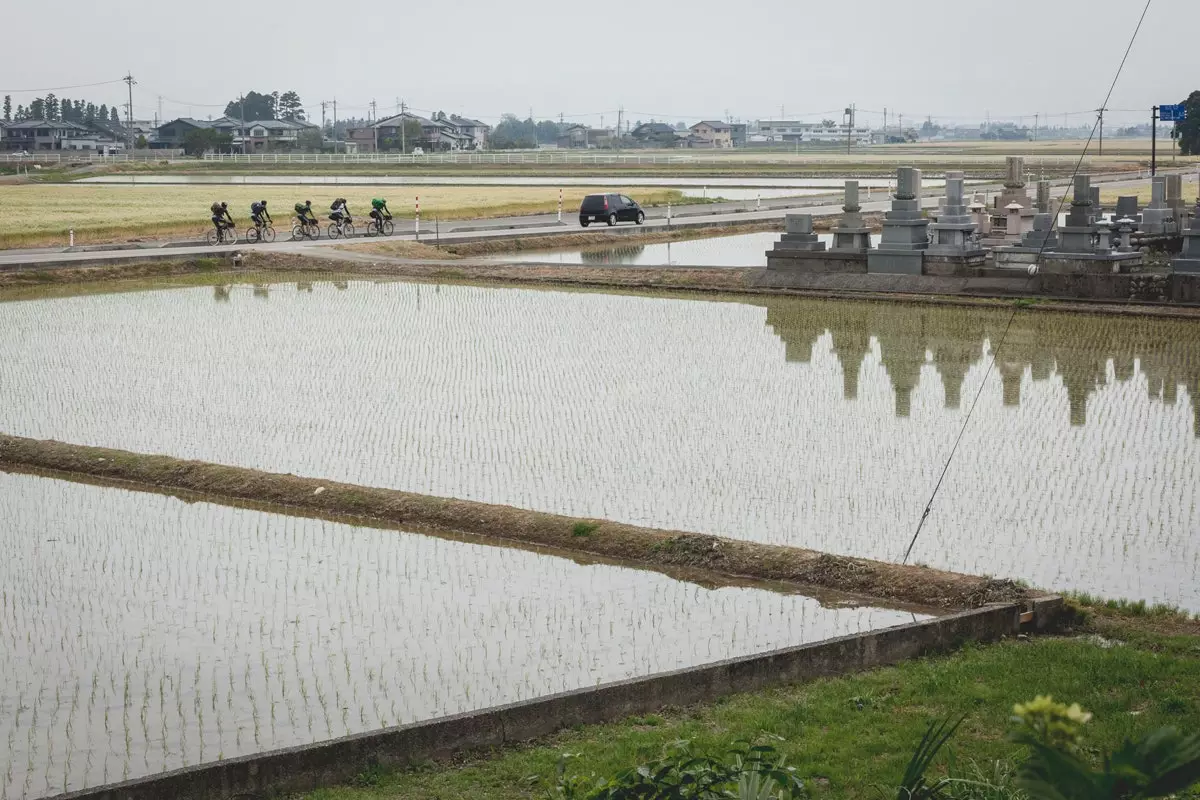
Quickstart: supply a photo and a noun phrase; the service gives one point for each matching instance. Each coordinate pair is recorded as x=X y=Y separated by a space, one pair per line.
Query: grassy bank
x=906 y=584
x=106 y=213
x=851 y=737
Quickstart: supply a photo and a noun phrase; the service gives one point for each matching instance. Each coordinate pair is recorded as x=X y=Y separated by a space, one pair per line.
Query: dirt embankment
x=907 y=584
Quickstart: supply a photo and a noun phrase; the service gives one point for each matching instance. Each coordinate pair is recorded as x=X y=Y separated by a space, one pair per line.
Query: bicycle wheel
x=252 y=236
x=371 y=229
x=388 y=227
x=230 y=236
x=268 y=234
x=313 y=232
x=297 y=233
x=347 y=230
x=211 y=237
x=333 y=230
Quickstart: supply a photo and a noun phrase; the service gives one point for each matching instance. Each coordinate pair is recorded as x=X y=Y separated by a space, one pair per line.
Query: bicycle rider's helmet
x=223 y=205
x=308 y=202
x=263 y=203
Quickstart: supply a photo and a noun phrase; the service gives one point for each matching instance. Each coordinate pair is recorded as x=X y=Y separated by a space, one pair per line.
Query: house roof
x=715 y=125
x=474 y=123
x=653 y=128
x=45 y=123
x=279 y=124
x=195 y=123
x=395 y=120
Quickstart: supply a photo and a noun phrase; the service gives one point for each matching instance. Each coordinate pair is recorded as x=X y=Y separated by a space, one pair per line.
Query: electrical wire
x=61 y=88
x=1004 y=336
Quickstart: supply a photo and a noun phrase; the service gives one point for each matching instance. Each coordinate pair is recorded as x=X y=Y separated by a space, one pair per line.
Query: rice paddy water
x=141 y=633
x=817 y=424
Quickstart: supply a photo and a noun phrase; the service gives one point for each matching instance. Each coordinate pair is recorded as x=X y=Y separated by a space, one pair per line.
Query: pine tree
x=89 y=114
x=8 y=108
x=77 y=111
x=114 y=116
x=37 y=108
x=102 y=115
x=20 y=114
x=51 y=107
x=64 y=110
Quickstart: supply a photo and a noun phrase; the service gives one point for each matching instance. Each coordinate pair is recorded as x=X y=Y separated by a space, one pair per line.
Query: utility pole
x=323 y=104
x=1101 y=111
x=375 y=130
x=849 y=126
x=885 y=125
x=129 y=81
x=335 y=133
x=159 y=116
x=1035 y=127
x=1153 y=141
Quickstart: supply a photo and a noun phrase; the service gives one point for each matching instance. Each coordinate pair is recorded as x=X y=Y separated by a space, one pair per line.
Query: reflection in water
x=221 y=293
x=189 y=632
x=261 y=290
x=1038 y=344
x=613 y=255
x=813 y=423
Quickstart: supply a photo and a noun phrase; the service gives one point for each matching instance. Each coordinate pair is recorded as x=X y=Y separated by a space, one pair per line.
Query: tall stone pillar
x=953 y=233
x=851 y=234
x=1077 y=233
x=1158 y=218
x=905 y=230
x=1043 y=197
x=1189 y=259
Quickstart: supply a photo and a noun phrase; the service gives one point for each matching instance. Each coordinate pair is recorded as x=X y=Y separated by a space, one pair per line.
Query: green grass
x=583 y=528
x=851 y=735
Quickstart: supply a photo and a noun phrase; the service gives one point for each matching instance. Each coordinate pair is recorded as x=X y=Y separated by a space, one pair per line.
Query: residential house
x=438 y=134
x=476 y=130
x=273 y=134
x=171 y=134
x=739 y=133
x=40 y=134
x=653 y=134
x=581 y=136
x=709 y=133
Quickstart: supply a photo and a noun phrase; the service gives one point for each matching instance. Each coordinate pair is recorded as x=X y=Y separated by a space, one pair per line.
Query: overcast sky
x=957 y=61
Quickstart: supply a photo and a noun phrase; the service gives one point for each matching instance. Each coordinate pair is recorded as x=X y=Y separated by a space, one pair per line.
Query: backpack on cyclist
x=334 y=205
x=300 y=209
x=216 y=209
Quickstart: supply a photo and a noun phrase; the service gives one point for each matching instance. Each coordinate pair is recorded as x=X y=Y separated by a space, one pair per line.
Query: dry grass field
x=104 y=213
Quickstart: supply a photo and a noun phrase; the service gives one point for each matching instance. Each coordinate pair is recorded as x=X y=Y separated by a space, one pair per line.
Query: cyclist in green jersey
x=379 y=212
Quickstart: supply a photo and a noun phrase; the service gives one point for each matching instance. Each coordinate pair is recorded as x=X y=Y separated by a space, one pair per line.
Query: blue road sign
x=1172 y=113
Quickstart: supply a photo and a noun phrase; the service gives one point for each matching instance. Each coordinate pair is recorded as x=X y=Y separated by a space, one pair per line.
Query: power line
x=1013 y=315
x=61 y=88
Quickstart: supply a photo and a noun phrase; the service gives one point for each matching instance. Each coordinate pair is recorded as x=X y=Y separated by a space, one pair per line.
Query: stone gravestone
x=1175 y=198
x=954 y=232
x=1014 y=184
x=905 y=229
x=851 y=234
x=1043 y=197
x=1077 y=233
x=799 y=234
x=1189 y=259
x=1127 y=208
x=1158 y=218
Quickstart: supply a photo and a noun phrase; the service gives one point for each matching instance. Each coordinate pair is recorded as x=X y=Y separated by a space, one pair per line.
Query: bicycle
x=305 y=230
x=342 y=227
x=382 y=227
x=226 y=234
x=255 y=234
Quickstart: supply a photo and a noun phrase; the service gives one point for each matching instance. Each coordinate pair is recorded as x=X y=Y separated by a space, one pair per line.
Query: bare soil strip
x=595 y=537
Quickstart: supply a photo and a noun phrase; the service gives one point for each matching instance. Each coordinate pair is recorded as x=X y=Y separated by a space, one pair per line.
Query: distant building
x=653 y=134
x=256 y=136
x=478 y=131
x=581 y=136
x=709 y=133
x=41 y=134
x=796 y=132
x=439 y=133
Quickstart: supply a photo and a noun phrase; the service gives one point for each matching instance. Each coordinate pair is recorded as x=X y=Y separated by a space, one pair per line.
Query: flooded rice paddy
x=141 y=633
x=743 y=250
x=818 y=424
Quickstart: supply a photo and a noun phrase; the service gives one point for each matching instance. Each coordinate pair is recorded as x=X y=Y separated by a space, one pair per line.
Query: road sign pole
x=1153 y=140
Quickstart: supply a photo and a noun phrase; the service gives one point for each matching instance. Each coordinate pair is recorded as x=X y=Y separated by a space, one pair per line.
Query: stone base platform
x=895 y=262
x=816 y=261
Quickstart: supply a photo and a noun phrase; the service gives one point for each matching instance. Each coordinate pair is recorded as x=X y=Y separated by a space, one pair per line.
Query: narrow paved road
x=656 y=219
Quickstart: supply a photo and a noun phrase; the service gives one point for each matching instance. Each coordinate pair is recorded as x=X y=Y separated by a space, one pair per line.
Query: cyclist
x=379 y=212
x=339 y=211
x=221 y=219
x=304 y=214
x=260 y=215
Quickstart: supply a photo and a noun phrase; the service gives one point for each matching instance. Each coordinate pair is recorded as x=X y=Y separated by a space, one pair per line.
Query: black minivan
x=610 y=208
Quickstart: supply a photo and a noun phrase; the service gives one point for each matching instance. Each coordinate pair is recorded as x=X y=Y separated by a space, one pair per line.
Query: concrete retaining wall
x=311 y=766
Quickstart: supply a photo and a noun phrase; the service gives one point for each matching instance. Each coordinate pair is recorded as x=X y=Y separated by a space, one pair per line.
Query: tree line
x=56 y=109
x=254 y=106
